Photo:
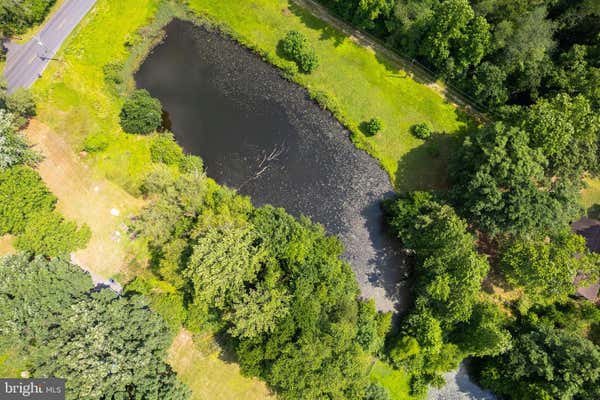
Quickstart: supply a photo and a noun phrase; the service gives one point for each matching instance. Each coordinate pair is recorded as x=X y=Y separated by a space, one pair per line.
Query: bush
x=47 y=233
x=422 y=131
x=113 y=73
x=21 y=104
x=373 y=126
x=295 y=47
x=164 y=149
x=190 y=164
x=141 y=113
x=96 y=142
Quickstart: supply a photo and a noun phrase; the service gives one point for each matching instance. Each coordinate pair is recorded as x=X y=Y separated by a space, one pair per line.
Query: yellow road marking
x=61 y=24
x=32 y=58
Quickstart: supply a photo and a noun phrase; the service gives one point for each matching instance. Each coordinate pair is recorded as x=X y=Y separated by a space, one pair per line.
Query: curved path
x=25 y=63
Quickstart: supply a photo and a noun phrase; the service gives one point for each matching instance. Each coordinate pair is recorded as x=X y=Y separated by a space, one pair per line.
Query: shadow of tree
x=425 y=167
x=328 y=32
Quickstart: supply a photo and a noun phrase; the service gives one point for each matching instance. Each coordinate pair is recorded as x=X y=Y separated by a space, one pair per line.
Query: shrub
x=295 y=47
x=47 y=233
x=190 y=164
x=21 y=104
x=96 y=142
x=422 y=131
x=113 y=73
x=141 y=113
x=164 y=149
x=373 y=126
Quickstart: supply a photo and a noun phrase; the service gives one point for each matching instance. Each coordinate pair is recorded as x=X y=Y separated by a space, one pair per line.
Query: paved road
x=25 y=63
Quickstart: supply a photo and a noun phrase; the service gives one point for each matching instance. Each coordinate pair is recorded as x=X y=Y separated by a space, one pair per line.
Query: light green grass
x=362 y=84
x=396 y=382
x=591 y=194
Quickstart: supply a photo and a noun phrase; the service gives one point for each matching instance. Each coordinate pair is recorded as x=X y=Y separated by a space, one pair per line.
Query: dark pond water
x=263 y=136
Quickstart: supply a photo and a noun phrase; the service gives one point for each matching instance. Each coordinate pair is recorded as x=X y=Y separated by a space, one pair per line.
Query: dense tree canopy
x=447 y=320
x=502 y=184
x=546 y=269
x=275 y=285
x=141 y=113
x=17 y=16
x=545 y=363
x=14 y=148
x=104 y=345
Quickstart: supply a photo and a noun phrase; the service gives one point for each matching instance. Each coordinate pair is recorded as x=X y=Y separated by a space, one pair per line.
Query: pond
x=263 y=136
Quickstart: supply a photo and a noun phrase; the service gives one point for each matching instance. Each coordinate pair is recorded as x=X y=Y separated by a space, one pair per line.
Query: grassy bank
x=358 y=84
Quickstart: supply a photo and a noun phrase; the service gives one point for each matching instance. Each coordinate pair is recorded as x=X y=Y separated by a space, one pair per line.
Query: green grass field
x=362 y=84
x=591 y=194
x=396 y=382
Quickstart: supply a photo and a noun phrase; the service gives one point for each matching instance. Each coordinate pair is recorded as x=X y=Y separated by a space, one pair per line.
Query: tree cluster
x=448 y=321
x=17 y=16
x=273 y=285
x=104 y=345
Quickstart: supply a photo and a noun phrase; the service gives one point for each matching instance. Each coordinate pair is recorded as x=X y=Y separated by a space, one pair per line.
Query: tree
x=566 y=129
x=110 y=347
x=22 y=194
x=141 y=113
x=17 y=16
x=454 y=38
x=489 y=84
x=546 y=269
x=49 y=234
x=367 y=11
x=545 y=363
x=373 y=126
x=422 y=131
x=21 y=104
x=14 y=148
x=104 y=345
x=295 y=47
x=501 y=184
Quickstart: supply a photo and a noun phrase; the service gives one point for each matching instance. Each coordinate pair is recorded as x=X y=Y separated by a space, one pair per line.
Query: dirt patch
x=6 y=245
x=86 y=198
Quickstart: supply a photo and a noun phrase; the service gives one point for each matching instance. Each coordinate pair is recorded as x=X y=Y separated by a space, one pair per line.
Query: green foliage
x=27 y=210
x=22 y=194
x=14 y=148
x=545 y=363
x=373 y=126
x=447 y=320
x=141 y=113
x=113 y=73
x=104 y=345
x=274 y=285
x=377 y=392
x=546 y=269
x=566 y=130
x=17 y=16
x=96 y=142
x=190 y=164
x=48 y=233
x=502 y=185
x=422 y=131
x=21 y=104
x=164 y=149
x=295 y=46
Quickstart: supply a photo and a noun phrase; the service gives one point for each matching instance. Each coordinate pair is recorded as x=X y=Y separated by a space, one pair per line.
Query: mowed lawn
x=363 y=84
x=395 y=381
x=591 y=194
